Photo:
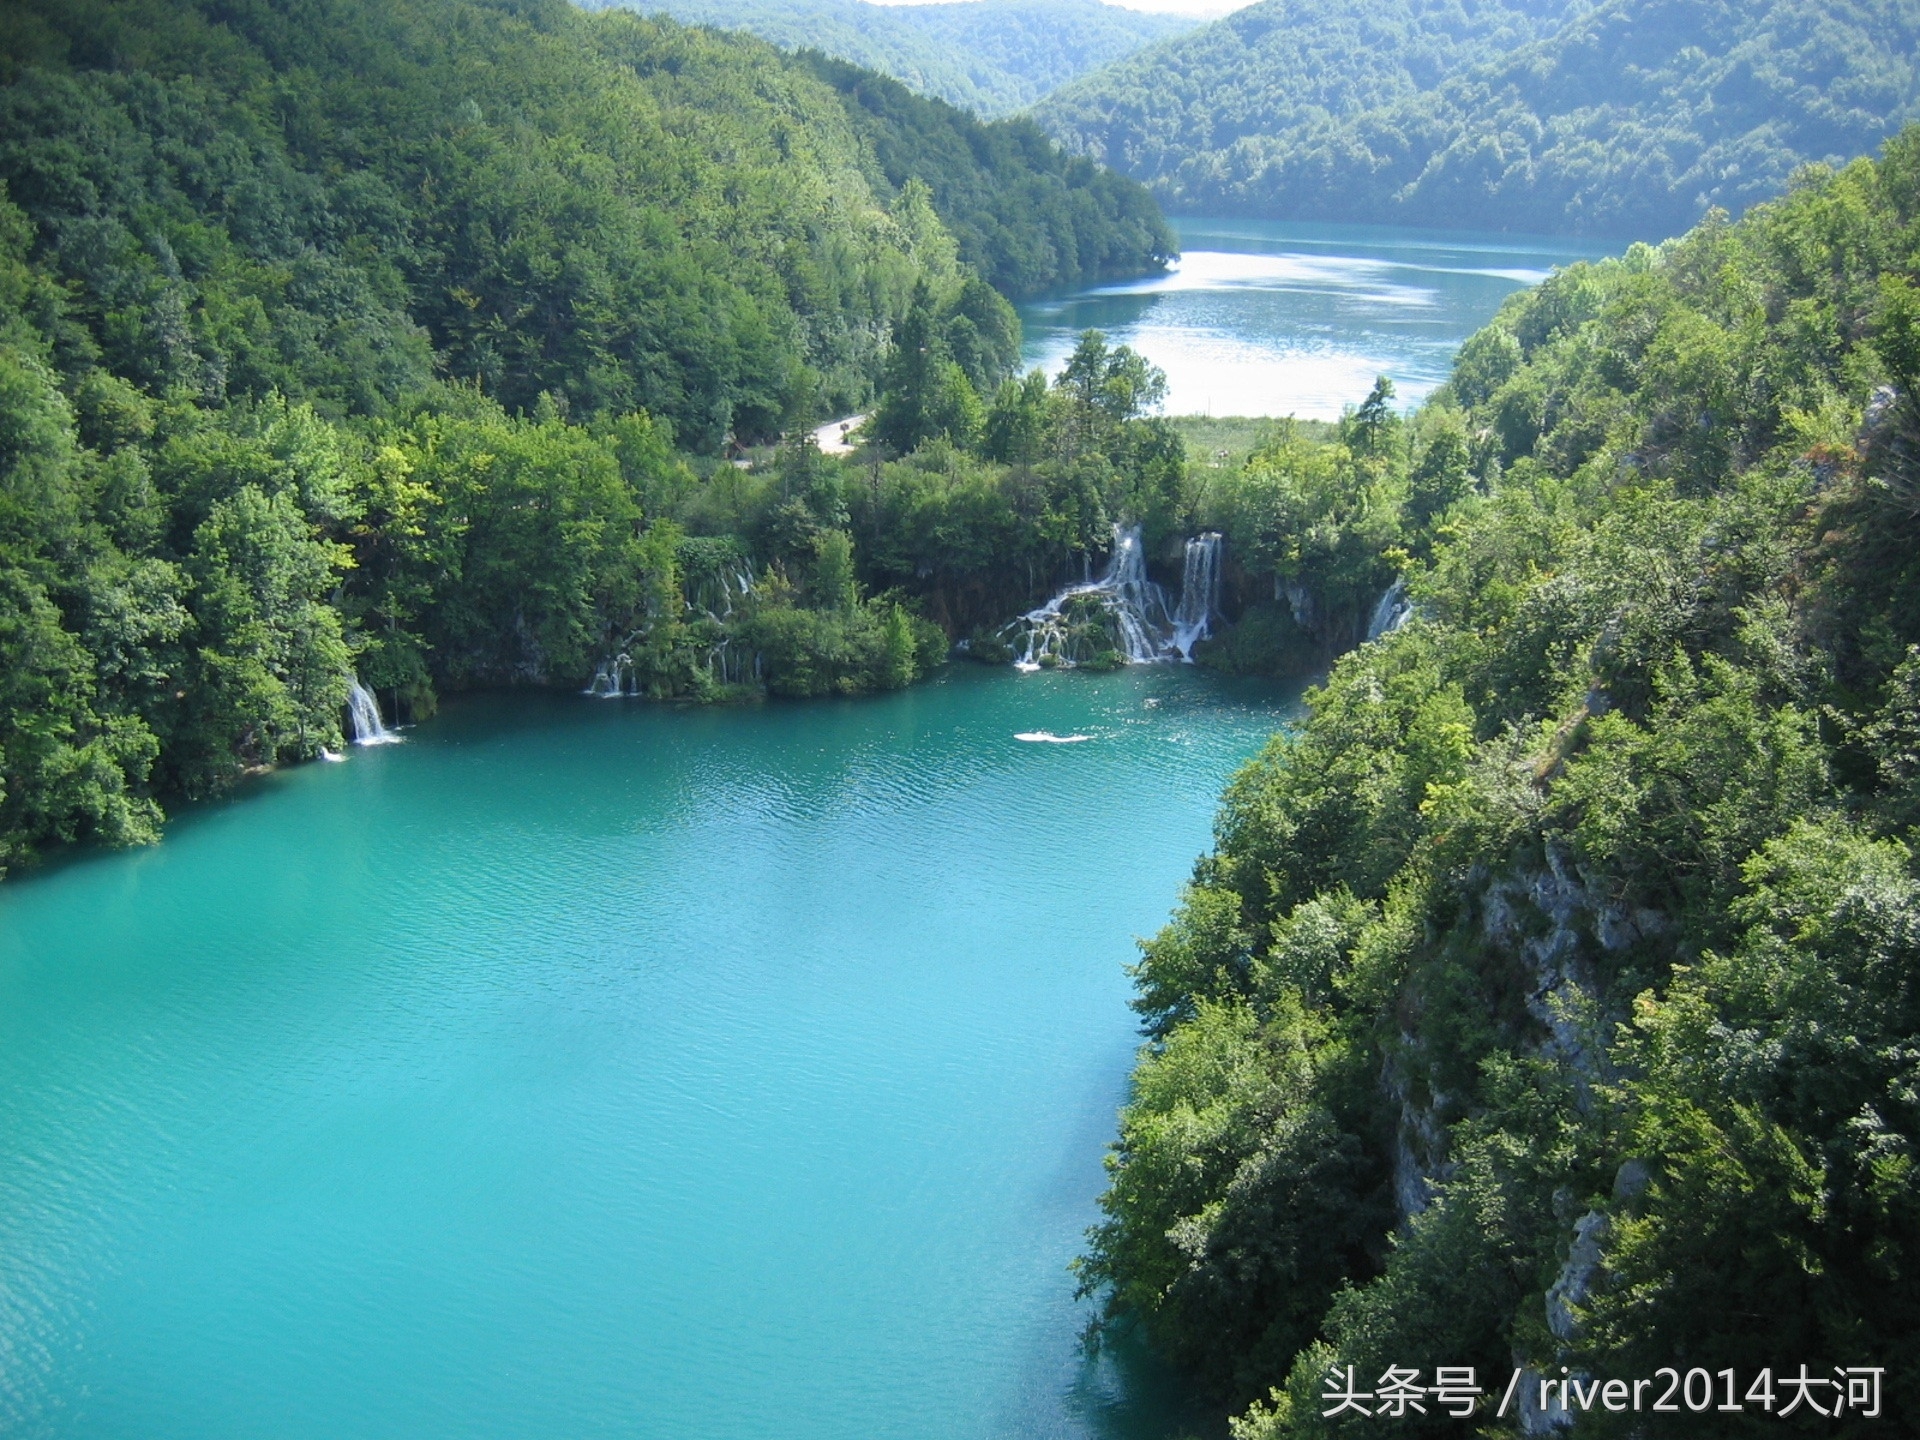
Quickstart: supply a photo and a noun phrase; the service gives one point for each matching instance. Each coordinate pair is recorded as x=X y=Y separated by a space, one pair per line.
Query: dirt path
x=832 y=436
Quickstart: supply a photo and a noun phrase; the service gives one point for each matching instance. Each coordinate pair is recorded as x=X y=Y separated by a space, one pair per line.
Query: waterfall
x=730 y=666
x=613 y=678
x=1199 y=593
x=1391 y=611
x=740 y=580
x=1122 y=614
x=363 y=718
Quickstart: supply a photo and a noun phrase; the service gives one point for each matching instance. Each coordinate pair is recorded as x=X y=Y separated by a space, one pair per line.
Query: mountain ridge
x=994 y=57
x=1628 y=119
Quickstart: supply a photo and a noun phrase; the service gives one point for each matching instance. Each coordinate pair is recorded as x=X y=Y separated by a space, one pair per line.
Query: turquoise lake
x=1268 y=318
x=588 y=1068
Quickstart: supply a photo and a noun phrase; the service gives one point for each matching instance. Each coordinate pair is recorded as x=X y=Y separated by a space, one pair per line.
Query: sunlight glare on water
x=1262 y=318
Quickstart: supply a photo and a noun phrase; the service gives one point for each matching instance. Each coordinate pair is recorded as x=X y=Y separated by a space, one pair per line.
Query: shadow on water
x=182 y=818
x=1127 y=1392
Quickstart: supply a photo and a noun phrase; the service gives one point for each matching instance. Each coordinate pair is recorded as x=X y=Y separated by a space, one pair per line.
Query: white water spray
x=1199 y=593
x=1391 y=611
x=1123 y=613
x=613 y=679
x=703 y=599
x=363 y=718
x=712 y=597
x=731 y=666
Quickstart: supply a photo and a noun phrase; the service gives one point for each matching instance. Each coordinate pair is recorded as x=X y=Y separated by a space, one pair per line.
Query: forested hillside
x=399 y=339
x=1549 y=999
x=989 y=56
x=1628 y=118
x=1027 y=215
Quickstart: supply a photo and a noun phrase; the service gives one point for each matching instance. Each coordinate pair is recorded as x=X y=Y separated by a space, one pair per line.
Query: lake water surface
x=584 y=1068
x=1265 y=318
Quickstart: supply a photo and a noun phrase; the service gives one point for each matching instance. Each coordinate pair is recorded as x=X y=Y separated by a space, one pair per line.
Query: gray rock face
x=1557 y=924
x=1576 y=1276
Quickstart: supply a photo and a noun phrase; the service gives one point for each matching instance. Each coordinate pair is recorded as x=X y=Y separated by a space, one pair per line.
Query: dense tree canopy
x=992 y=57
x=1549 y=997
x=404 y=341
x=1627 y=118
x=1026 y=215
x=337 y=201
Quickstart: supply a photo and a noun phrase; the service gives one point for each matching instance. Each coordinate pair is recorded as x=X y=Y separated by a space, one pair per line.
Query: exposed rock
x=1576 y=1276
x=1419 y=1145
x=1631 y=1179
x=1534 y=1420
x=1300 y=601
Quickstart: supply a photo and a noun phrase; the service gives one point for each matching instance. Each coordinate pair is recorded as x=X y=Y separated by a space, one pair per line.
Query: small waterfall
x=727 y=584
x=730 y=666
x=1199 y=594
x=1391 y=611
x=363 y=718
x=1123 y=612
x=613 y=679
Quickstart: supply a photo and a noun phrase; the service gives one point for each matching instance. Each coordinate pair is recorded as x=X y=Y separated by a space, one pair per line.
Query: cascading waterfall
x=613 y=678
x=725 y=663
x=733 y=667
x=712 y=598
x=1199 y=593
x=1123 y=614
x=1391 y=611
x=1115 y=614
x=363 y=718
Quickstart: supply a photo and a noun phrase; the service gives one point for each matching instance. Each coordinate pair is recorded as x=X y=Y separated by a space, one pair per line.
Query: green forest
x=409 y=340
x=1548 y=998
x=1027 y=216
x=1628 y=118
x=989 y=56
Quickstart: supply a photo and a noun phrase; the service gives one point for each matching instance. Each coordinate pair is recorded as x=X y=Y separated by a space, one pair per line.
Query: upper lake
x=1264 y=318
x=594 y=1068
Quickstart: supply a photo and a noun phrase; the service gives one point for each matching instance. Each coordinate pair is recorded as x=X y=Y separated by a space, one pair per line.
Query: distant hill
x=989 y=56
x=1628 y=118
x=1026 y=214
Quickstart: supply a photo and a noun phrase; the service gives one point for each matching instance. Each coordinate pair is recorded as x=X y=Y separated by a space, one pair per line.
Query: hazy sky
x=1204 y=9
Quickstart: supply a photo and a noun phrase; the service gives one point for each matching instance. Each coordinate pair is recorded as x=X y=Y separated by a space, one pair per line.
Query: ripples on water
x=591 y=1068
x=1269 y=319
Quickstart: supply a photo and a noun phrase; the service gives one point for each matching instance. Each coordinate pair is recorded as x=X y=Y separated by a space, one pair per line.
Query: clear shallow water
x=585 y=1068
x=1264 y=318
